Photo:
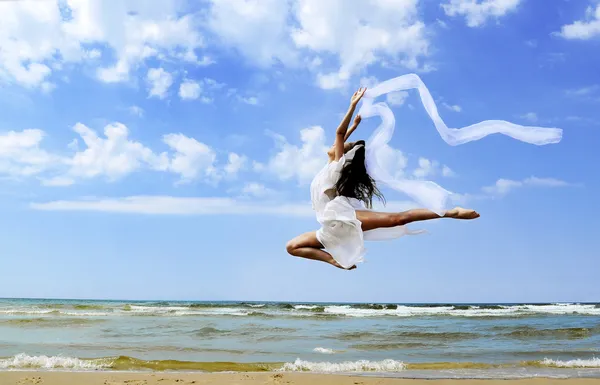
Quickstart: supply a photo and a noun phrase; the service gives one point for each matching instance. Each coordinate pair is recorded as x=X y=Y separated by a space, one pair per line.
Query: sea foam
x=344 y=367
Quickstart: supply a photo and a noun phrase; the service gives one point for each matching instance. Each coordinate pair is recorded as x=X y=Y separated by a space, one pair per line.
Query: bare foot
x=336 y=264
x=460 y=213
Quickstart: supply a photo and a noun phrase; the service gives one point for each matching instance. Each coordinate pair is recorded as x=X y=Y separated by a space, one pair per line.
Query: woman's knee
x=291 y=246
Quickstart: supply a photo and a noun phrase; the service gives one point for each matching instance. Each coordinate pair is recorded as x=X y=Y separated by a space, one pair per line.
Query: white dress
x=340 y=233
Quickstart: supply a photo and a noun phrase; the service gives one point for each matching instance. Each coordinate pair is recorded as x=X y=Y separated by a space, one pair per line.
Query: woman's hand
x=357 y=96
x=357 y=120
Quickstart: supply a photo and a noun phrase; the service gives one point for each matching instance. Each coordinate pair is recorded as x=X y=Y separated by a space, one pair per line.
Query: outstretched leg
x=374 y=220
x=308 y=246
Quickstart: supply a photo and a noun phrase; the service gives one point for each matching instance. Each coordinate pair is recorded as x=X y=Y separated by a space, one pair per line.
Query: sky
x=164 y=149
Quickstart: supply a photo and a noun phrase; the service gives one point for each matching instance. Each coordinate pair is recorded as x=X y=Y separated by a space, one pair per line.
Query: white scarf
x=427 y=193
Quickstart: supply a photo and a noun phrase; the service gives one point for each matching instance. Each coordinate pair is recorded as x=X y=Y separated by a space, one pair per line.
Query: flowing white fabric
x=427 y=193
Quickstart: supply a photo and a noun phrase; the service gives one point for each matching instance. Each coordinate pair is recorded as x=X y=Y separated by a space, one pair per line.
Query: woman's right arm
x=342 y=130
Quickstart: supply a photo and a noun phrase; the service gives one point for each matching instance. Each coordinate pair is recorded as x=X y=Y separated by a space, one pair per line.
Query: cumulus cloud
x=41 y=37
x=191 y=159
x=111 y=156
x=21 y=154
x=430 y=168
x=352 y=33
x=477 y=12
x=235 y=163
x=299 y=162
x=396 y=98
x=159 y=81
x=584 y=29
x=189 y=90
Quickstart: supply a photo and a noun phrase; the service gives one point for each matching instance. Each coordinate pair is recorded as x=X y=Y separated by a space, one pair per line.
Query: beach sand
x=107 y=378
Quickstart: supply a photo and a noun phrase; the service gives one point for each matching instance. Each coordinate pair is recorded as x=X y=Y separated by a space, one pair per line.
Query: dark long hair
x=355 y=182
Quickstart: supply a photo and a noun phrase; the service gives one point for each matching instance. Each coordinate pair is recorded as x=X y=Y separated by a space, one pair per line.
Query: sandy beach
x=106 y=378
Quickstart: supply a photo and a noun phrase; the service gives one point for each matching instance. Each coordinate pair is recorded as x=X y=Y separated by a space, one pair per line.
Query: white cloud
x=169 y=205
x=583 y=92
x=189 y=90
x=21 y=155
x=235 y=163
x=136 y=110
x=426 y=168
x=251 y=100
x=530 y=116
x=431 y=168
x=193 y=206
x=114 y=156
x=392 y=159
x=47 y=87
x=59 y=181
x=477 y=12
x=447 y=172
x=192 y=159
x=159 y=82
x=369 y=81
x=455 y=107
x=203 y=89
x=37 y=38
x=298 y=162
x=355 y=34
x=257 y=190
x=256 y=28
x=504 y=186
x=397 y=98
x=583 y=29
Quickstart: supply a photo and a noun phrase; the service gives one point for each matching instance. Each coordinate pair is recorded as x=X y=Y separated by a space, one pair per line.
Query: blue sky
x=163 y=150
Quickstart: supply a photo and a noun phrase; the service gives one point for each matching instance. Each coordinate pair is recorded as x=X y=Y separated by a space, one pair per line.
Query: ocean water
x=404 y=340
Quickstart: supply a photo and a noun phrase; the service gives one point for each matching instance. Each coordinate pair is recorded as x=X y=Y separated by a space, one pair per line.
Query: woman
x=342 y=196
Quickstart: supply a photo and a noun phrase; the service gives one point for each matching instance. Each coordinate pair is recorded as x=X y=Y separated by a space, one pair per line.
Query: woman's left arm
x=353 y=127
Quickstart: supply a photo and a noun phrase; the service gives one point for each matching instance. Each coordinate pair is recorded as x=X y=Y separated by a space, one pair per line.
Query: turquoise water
x=409 y=340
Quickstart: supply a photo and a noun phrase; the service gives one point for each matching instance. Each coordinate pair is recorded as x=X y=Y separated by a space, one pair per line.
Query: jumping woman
x=342 y=197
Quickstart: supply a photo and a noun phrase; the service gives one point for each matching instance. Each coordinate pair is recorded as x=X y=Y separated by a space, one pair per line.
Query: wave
x=125 y=363
x=320 y=311
x=590 y=363
x=345 y=367
x=323 y=350
x=24 y=361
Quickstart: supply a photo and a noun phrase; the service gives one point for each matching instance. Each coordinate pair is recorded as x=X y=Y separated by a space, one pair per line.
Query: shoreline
x=155 y=378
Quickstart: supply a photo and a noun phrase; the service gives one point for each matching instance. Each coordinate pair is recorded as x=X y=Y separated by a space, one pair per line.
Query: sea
x=560 y=340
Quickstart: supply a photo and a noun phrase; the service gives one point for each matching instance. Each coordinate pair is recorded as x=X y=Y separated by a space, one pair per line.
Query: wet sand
x=108 y=378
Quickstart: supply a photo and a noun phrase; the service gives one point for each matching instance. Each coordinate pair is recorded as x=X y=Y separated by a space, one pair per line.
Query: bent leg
x=374 y=220
x=308 y=246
